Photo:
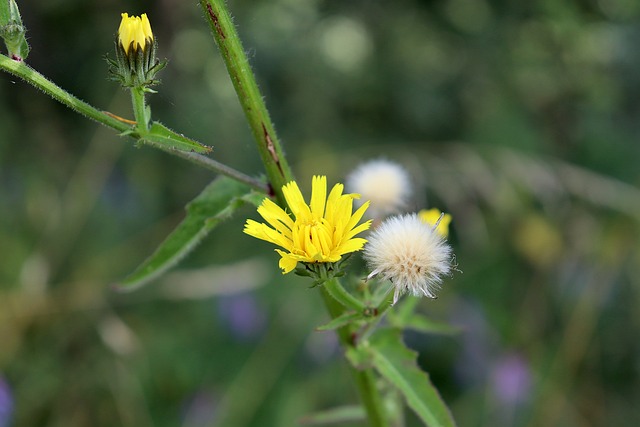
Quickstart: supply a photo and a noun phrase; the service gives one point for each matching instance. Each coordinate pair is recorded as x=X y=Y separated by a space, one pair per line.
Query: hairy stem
x=140 y=110
x=227 y=39
x=364 y=379
x=31 y=76
x=37 y=80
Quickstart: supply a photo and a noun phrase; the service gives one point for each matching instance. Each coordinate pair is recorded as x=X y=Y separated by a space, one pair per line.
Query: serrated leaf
x=340 y=321
x=217 y=202
x=160 y=134
x=339 y=415
x=397 y=363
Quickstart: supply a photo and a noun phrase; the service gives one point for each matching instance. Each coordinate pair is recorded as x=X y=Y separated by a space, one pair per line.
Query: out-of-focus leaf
x=339 y=415
x=340 y=321
x=420 y=323
x=217 y=202
x=160 y=134
x=397 y=363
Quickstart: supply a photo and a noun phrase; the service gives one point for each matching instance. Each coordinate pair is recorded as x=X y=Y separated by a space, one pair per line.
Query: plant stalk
x=252 y=101
x=37 y=80
x=364 y=379
x=31 y=76
x=140 y=110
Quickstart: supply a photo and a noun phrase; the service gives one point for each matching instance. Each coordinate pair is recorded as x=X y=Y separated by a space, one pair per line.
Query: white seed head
x=410 y=253
x=386 y=184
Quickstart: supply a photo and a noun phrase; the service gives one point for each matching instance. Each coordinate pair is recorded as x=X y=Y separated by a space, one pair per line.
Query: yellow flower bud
x=134 y=32
x=135 y=64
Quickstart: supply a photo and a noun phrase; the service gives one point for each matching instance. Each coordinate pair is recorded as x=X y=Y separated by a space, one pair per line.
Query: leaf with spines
x=216 y=203
x=162 y=135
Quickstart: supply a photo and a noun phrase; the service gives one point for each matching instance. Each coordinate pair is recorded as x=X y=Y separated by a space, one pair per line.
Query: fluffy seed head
x=410 y=253
x=384 y=183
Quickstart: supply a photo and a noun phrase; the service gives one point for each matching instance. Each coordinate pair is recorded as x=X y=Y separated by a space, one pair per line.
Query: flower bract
x=410 y=253
x=319 y=232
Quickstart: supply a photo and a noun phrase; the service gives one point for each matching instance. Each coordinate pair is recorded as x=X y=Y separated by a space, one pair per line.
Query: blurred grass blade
x=160 y=134
x=397 y=363
x=338 y=416
x=217 y=202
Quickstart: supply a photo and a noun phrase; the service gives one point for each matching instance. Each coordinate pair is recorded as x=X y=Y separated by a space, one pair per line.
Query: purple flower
x=200 y=410
x=511 y=379
x=242 y=314
x=6 y=403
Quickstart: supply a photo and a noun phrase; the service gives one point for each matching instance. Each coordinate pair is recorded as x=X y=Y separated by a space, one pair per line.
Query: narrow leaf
x=162 y=135
x=397 y=363
x=340 y=321
x=420 y=323
x=340 y=294
x=339 y=415
x=217 y=202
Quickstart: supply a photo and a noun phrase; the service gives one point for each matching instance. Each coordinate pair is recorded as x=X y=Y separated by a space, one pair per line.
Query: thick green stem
x=252 y=101
x=364 y=379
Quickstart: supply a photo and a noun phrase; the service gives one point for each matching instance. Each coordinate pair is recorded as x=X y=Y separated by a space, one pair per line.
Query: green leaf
x=162 y=135
x=397 y=363
x=339 y=415
x=340 y=294
x=340 y=321
x=255 y=198
x=420 y=323
x=217 y=202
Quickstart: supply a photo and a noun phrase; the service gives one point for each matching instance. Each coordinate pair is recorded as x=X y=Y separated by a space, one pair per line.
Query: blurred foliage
x=519 y=118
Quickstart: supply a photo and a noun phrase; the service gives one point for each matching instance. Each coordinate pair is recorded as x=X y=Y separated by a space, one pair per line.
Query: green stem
x=364 y=379
x=37 y=80
x=31 y=76
x=251 y=99
x=140 y=110
x=221 y=168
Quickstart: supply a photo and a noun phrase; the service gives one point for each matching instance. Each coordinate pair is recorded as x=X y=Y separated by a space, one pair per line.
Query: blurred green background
x=519 y=118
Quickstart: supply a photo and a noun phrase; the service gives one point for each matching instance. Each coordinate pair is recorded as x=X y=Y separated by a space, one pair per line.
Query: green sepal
x=137 y=67
x=216 y=203
x=162 y=135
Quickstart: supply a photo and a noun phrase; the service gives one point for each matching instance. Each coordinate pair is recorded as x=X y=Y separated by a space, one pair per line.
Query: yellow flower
x=134 y=32
x=322 y=231
x=432 y=216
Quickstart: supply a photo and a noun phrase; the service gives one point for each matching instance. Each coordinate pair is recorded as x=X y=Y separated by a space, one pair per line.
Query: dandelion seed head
x=386 y=184
x=410 y=253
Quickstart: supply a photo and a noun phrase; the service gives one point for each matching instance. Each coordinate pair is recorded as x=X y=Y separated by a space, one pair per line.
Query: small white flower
x=410 y=253
x=386 y=184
